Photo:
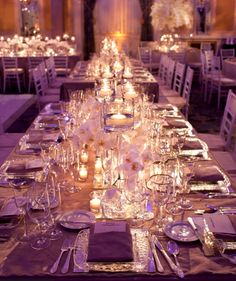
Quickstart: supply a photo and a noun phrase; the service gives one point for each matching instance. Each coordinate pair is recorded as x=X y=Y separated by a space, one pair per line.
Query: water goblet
x=39 y=211
x=160 y=186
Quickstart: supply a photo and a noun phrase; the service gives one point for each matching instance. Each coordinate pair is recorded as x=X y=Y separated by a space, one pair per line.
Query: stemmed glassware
x=160 y=186
x=38 y=209
x=54 y=195
x=187 y=174
x=19 y=188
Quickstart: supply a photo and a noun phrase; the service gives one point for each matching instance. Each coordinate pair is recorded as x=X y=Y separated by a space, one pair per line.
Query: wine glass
x=39 y=211
x=19 y=187
x=187 y=174
x=54 y=194
x=160 y=185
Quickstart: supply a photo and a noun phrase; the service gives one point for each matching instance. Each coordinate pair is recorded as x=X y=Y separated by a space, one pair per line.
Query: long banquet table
x=79 y=80
x=18 y=261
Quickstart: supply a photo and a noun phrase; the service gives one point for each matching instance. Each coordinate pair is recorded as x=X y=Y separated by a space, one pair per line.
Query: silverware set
x=173 y=249
x=67 y=246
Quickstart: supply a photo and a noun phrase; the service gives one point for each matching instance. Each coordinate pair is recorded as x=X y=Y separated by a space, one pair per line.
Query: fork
x=66 y=265
x=65 y=247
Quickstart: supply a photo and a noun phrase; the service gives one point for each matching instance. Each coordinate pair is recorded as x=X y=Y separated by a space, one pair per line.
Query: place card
x=104 y=227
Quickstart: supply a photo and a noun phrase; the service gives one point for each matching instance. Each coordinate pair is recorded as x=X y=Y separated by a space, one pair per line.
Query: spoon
x=173 y=249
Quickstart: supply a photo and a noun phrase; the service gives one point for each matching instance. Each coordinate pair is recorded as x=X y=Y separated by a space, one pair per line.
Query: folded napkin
x=192 y=144
x=110 y=242
x=29 y=167
x=178 y=124
x=207 y=174
x=222 y=226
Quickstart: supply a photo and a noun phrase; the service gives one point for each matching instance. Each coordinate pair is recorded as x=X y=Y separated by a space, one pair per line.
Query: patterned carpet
x=205 y=118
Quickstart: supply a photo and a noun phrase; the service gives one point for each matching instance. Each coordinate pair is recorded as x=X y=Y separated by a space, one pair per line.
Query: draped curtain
x=89 y=42
x=118 y=19
x=147 y=29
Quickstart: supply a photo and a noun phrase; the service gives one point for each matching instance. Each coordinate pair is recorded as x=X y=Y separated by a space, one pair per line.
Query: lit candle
x=98 y=165
x=72 y=38
x=83 y=172
x=58 y=38
x=130 y=94
x=105 y=91
x=84 y=157
x=95 y=205
x=118 y=119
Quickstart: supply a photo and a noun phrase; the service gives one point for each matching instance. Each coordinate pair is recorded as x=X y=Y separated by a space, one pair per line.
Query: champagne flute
x=39 y=211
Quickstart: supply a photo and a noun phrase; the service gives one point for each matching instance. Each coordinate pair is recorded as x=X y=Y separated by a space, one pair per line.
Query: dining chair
x=11 y=70
x=145 y=57
x=62 y=65
x=161 y=77
x=205 y=46
x=219 y=83
x=32 y=63
x=182 y=102
x=53 y=80
x=165 y=90
x=176 y=89
x=42 y=98
x=210 y=68
x=225 y=54
x=223 y=140
x=48 y=90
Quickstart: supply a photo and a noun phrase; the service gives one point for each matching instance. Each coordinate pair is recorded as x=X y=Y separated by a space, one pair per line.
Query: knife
x=207 y=250
x=172 y=265
x=159 y=266
x=221 y=195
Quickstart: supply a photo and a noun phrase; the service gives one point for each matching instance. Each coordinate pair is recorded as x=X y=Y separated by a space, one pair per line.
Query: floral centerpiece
x=168 y=15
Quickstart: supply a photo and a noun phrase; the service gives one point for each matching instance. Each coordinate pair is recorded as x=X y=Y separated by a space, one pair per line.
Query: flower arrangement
x=172 y=14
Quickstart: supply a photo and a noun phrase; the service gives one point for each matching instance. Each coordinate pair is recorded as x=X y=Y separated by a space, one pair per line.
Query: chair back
x=188 y=84
x=44 y=77
x=229 y=119
x=179 y=77
x=177 y=56
x=61 y=65
x=208 y=61
x=38 y=82
x=205 y=46
x=165 y=69
x=51 y=71
x=170 y=73
x=9 y=63
x=162 y=65
x=34 y=62
x=145 y=55
x=227 y=53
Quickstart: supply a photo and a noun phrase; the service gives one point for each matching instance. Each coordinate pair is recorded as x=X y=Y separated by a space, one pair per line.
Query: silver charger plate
x=173 y=231
x=78 y=219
